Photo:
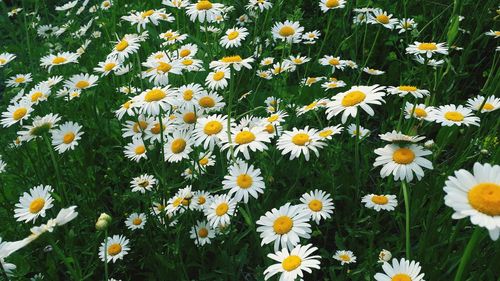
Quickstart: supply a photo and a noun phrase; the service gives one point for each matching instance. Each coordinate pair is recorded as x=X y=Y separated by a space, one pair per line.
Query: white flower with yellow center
x=406 y=25
x=191 y=64
x=328 y=132
x=18 y=80
x=333 y=84
x=300 y=141
x=51 y=60
x=380 y=202
x=176 y=3
x=402 y=270
x=284 y=226
x=39 y=93
x=404 y=90
x=66 y=137
x=267 y=61
x=184 y=95
x=476 y=196
x=309 y=81
x=292 y=264
x=235 y=61
x=494 y=33
x=345 y=257
x=154 y=100
x=243 y=180
x=5 y=58
x=158 y=70
x=81 y=81
x=181 y=201
x=106 y=4
x=204 y=10
x=233 y=37
x=41 y=125
x=334 y=62
x=136 y=129
x=126 y=46
x=220 y=210
x=149 y=16
x=116 y=247
x=361 y=133
x=210 y=130
x=205 y=160
x=178 y=146
x=327 y=5
x=265 y=74
x=218 y=79
x=298 y=59
x=16 y=113
x=318 y=203
x=187 y=51
x=201 y=233
x=427 y=48
x=158 y=129
x=209 y=101
x=310 y=37
x=288 y=31
x=34 y=204
x=372 y=71
x=276 y=118
x=171 y=37
x=143 y=183
x=136 y=221
x=396 y=136
x=136 y=150
x=358 y=96
x=449 y=115
x=402 y=161
x=378 y=16
x=243 y=139
x=492 y=103
x=418 y=111
x=200 y=200
x=111 y=64
x=254 y=5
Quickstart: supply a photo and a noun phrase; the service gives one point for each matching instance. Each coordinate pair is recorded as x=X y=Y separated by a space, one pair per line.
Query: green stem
x=464 y=261
x=106 y=276
x=407 y=218
x=56 y=167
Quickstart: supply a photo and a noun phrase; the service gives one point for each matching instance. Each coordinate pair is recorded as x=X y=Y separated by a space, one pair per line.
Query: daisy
x=384 y=256
x=476 y=195
x=292 y=264
x=244 y=139
x=236 y=61
x=81 y=81
x=402 y=270
x=310 y=37
x=309 y=81
x=380 y=202
x=327 y=5
x=334 y=62
x=220 y=210
x=172 y=37
x=261 y=5
x=218 y=79
x=39 y=93
x=318 y=203
x=449 y=115
x=328 y=132
x=396 y=136
x=201 y=233
x=18 y=80
x=126 y=108
x=181 y=201
x=358 y=96
x=492 y=103
x=34 y=204
x=243 y=180
x=5 y=58
x=191 y=64
x=201 y=199
x=178 y=146
x=158 y=130
x=206 y=159
x=154 y=100
x=427 y=49
x=329 y=85
x=493 y=33
x=126 y=46
x=285 y=226
x=159 y=70
x=288 y=31
x=50 y=61
x=143 y=183
x=265 y=74
x=209 y=101
x=39 y=127
x=116 y=247
x=404 y=90
x=406 y=25
x=430 y=62
x=402 y=161
x=300 y=141
x=16 y=113
x=111 y=64
x=372 y=71
x=204 y=10
x=345 y=257
x=380 y=17
x=233 y=37
x=419 y=111
x=209 y=131
x=136 y=221
x=179 y=4
x=135 y=129
x=298 y=59
x=66 y=137
x=136 y=150
x=106 y=4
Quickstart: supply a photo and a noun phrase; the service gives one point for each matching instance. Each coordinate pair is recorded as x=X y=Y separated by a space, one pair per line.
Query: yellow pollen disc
x=147 y=13
x=177 y=202
x=203 y=232
x=497 y=33
x=159 y=56
x=188 y=95
x=488 y=106
x=36 y=205
x=297 y=61
x=244 y=181
x=334 y=61
x=203 y=5
x=185 y=202
x=244 y=137
x=106 y=4
x=291 y=263
x=311 y=105
x=58 y=60
x=407 y=88
x=454 y=116
x=36 y=96
x=187 y=62
x=143 y=184
x=311 y=80
x=286 y=31
x=331 y=3
x=315 y=205
x=122 y=45
x=178 y=146
x=383 y=19
x=114 y=249
x=221 y=209
x=82 y=84
x=68 y=137
x=485 y=197
x=206 y=102
x=273 y=118
x=140 y=126
x=420 y=112
x=20 y=80
x=201 y=200
x=233 y=35
x=203 y=161
x=163 y=67
x=156 y=129
x=312 y=36
x=427 y=46
x=218 y=75
x=109 y=66
x=136 y=221
x=184 y=53
x=231 y=59
x=140 y=150
x=269 y=128
x=212 y=128
x=282 y=225
x=2 y=61
x=300 y=139
x=353 y=98
x=154 y=95
x=403 y=156
x=189 y=118
x=401 y=277
x=380 y=199
x=325 y=133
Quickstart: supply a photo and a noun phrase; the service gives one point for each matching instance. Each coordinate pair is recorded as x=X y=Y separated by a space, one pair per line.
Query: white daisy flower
x=235 y=61
x=402 y=161
x=39 y=93
x=18 y=80
x=419 y=111
x=288 y=31
x=492 y=103
x=372 y=71
x=345 y=257
x=243 y=180
x=254 y=5
x=380 y=202
x=116 y=247
x=136 y=150
x=406 y=25
x=34 y=204
x=143 y=183
x=39 y=127
x=353 y=131
x=300 y=141
x=427 y=48
x=178 y=146
x=81 y=81
x=318 y=203
x=153 y=100
x=16 y=113
x=378 y=16
x=243 y=139
x=233 y=37
x=126 y=46
x=66 y=137
x=201 y=233
x=209 y=101
x=136 y=221
x=220 y=210
x=400 y=270
x=5 y=58
x=292 y=264
x=449 y=115
x=404 y=90
x=328 y=132
x=396 y=136
x=111 y=64
x=50 y=61
x=218 y=79
x=334 y=62
x=204 y=10
x=493 y=33
x=210 y=130
x=327 y=5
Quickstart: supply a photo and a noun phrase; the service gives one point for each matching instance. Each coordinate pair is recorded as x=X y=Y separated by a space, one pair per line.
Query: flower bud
x=384 y=256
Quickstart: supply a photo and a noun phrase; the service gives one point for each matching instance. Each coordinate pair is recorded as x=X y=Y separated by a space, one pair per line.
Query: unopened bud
x=384 y=256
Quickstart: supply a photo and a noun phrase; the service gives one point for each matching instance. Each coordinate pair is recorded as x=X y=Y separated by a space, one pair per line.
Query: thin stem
x=56 y=167
x=407 y=218
x=464 y=261
x=106 y=276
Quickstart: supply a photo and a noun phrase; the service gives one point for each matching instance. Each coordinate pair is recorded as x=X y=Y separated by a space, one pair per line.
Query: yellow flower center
x=233 y=35
x=286 y=31
x=137 y=221
x=203 y=232
x=231 y=59
x=36 y=205
x=203 y=161
x=497 y=33
x=300 y=139
x=178 y=146
x=177 y=202
x=114 y=249
x=109 y=66
x=334 y=61
x=353 y=98
x=58 y=60
x=244 y=181
x=139 y=126
x=156 y=129
x=291 y=263
x=273 y=118
x=122 y=45
x=188 y=95
x=154 y=95
x=2 y=61
x=403 y=156
x=201 y=200
x=488 y=106
x=189 y=118
x=427 y=46
x=325 y=133
x=454 y=116
x=221 y=209
x=68 y=137
x=382 y=18
x=20 y=79
x=401 y=277
x=82 y=84
x=297 y=60
x=163 y=67
x=147 y=13
x=332 y=3
x=315 y=205
x=206 y=102
x=485 y=197
x=184 y=53
x=140 y=150
x=187 y=62
x=420 y=112
x=407 y=88
x=204 y=5
x=212 y=127
x=380 y=199
x=36 y=96
x=244 y=137
x=269 y=128
x=283 y=225
x=218 y=75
